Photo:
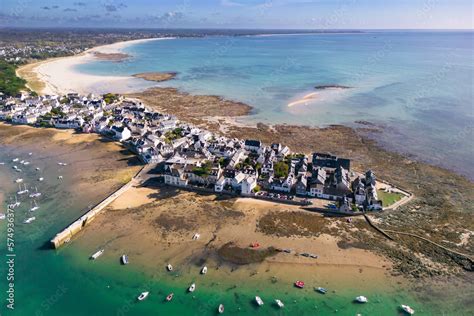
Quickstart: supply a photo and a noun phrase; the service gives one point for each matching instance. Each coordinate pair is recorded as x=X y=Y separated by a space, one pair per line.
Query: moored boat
x=361 y=299
x=192 y=287
x=29 y=220
x=204 y=270
x=169 y=267
x=258 y=300
x=19 y=180
x=407 y=309
x=279 y=303
x=40 y=179
x=299 y=284
x=143 y=296
x=35 y=207
x=220 y=309
x=97 y=254
x=124 y=259
x=169 y=297
x=321 y=290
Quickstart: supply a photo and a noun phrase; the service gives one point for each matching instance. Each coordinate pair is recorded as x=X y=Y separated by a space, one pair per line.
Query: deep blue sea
x=417 y=85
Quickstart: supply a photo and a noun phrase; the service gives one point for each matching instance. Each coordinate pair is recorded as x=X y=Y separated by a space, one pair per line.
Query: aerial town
x=194 y=158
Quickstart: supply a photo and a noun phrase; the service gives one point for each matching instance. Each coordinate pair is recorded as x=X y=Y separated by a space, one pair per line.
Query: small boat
x=16 y=204
x=407 y=309
x=124 y=259
x=196 y=236
x=35 y=207
x=60 y=177
x=29 y=220
x=254 y=245
x=192 y=288
x=220 y=309
x=2 y=163
x=22 y=161
x=2 y=216
x=169 y=267
x=20 y=192
x=15 y=167
x=97 y=254
x=26 y=163
x=37 y=169
x=299 y=284
x=35 y=194
x=361 y=299
x=169 y=297
x=204 y=270
x=15 y=159
x=321 y=290
x=143 y=296
x=29 y=154
x=18 y=170
x=41 y=179
x=279 y=303
x=258 y=300
x=19 y=180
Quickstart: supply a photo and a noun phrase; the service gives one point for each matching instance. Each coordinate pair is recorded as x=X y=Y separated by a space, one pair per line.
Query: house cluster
x=190 y=156
x=20 y=54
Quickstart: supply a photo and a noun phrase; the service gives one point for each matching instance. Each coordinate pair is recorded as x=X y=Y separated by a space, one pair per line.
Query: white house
x=121 y=132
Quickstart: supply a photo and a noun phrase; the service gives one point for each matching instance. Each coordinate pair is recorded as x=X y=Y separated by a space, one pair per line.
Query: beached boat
x=26 y=163
x=40 y=179
x=19 y=180
x=258 y=300
x=97 y=254
x=192 y=287
x=35 y=194
x=15 y=159
x=220 y=309
x=407 y=309
x=361 y=299
x=60 y=177
x=299 y=284
x=20 y=191
x=279 y=303
x=169 y=297
x=204 y=270
x=143 y=296
x=321 y=290
x=196 y=236
x=124 y=259
x=37 y=169
x=35 y=207
x=29 y=220
x=169 y=267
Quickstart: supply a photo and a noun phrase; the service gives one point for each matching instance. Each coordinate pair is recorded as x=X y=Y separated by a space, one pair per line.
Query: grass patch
x=389 y=198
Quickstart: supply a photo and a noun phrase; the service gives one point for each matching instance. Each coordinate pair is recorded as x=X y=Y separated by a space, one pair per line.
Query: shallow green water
x=65 y=282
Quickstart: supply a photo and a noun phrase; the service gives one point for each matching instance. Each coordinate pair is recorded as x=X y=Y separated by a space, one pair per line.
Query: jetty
x=75 y=227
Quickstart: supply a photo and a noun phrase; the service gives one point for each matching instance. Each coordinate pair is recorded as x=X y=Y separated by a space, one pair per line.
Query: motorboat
x=321 y=290
x=407 y=309
x=169 y=267
x=29 y=154
x=35 y=207
x=143 y=296
x=124 y=259
x=16 y=204
x=361 y=299
x=35 y=194
x=60 y=177
x=15 y=159
x=299 y=284
x=279 y=303
x=29 y=220
x=220 y=309
x=40 y=179
x=20 y=191
x=26 y=163
x=37 y=169
x=169 y=297
x=97 y=254
x=258 y=300
x=19 y=180
x=192 y=287
x=204 y=270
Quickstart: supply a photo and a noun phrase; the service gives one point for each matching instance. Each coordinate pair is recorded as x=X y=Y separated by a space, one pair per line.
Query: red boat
x=169 y=297
x=299 y=284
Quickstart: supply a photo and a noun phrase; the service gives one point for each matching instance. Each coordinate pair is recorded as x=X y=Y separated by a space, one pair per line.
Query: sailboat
x=35 y=207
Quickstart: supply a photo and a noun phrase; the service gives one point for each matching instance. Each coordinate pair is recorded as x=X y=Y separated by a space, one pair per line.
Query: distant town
x=194 y=158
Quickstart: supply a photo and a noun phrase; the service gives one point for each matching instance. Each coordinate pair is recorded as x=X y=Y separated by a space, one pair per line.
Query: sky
x=269 y=14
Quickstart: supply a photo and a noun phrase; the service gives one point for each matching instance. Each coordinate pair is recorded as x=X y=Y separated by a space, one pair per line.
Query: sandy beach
x=58 y=75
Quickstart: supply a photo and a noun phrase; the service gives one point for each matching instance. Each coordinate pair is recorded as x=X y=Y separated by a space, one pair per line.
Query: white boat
x=361 y=299
x=169 y=267
x=37 y=169
x=220 y=309
x=143 y=296
x=124 y=259
x=35 y=207
x=407 y=309
x=19 y=180
x=279 y=303
x=22 y=161
x=15 y=159
x=258 y=300
x=29 y=220
x=2 y=216
x=16 y=204
x=60 y=177
x=29 y=154
x=204 y=270
x=20 y=191
x=97 y=254
x=18 y=170
x=15 y=167
x=196 y=236
x=192 y=287
x=40 y=179
x=2 y=163
x=26 y=163
x=321 y=290
x=35 y=194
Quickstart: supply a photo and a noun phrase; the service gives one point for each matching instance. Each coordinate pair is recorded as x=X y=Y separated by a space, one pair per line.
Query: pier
x=66 y=234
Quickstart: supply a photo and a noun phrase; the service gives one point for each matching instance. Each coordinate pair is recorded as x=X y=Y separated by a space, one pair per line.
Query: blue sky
x=298 y=14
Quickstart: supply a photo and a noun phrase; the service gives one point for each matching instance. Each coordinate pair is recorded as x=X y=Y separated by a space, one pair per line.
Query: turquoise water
x=417 y=85
x=66 y=282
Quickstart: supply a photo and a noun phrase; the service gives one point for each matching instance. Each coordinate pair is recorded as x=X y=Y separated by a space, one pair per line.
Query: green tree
x=10 y=84
x=281 y=169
